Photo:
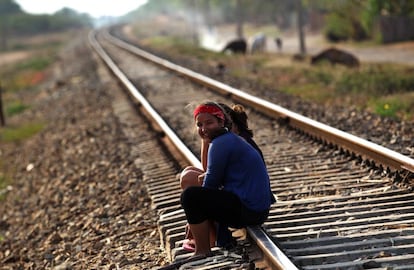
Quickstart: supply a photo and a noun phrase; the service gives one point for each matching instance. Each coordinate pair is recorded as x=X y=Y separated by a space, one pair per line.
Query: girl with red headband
x=235 y=190
x=193 y=176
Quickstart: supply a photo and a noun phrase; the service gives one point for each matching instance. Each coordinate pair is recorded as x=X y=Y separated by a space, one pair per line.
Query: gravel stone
x=77 y=200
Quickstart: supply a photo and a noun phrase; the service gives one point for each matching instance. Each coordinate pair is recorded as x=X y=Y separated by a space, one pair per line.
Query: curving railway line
x=343 y=202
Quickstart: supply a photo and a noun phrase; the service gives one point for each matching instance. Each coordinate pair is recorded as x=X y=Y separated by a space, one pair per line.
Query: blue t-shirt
x=236 y=166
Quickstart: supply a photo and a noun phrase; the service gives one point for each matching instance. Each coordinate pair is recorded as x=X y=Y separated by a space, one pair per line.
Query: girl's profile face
x=208 y=124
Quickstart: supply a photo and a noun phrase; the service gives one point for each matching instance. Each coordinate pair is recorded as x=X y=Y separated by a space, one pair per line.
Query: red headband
x=211 y=109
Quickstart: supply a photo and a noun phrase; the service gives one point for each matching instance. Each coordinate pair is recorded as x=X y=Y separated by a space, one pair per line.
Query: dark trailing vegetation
x=15 y=23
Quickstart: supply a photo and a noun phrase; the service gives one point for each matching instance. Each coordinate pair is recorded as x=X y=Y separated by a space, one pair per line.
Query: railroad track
x=342 y=201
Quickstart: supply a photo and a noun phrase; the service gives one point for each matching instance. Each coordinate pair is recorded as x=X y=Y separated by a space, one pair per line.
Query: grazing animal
x=278 y=42
x=236 y=46
x=259 y=43
x=221 y=69
x=336 y=56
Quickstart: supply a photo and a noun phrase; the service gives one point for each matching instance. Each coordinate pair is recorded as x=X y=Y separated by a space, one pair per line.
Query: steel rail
x=366 y=149
x=186 y=153
x=273 y=254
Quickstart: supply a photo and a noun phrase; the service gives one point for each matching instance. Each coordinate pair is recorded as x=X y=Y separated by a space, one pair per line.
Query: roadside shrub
x=337 y=28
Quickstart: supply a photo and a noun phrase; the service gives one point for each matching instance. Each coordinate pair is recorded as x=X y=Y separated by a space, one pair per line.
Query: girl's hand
x=201 y=134
x=201 y=179
x=204 y=137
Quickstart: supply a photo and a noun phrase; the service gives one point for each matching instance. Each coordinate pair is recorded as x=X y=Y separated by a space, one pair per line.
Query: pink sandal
x=189 y=242
x=189 y=245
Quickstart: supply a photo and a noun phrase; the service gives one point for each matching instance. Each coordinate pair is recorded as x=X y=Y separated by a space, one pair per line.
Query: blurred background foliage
x=14 y=22
x=340 y=20
x=385 y=89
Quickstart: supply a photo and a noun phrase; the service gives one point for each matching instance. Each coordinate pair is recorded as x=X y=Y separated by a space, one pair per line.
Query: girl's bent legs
x=213 y=233
x=188 y=178
x=202 y=206
x=201 y=235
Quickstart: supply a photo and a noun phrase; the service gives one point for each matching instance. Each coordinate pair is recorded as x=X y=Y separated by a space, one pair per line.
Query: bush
x=337 y=28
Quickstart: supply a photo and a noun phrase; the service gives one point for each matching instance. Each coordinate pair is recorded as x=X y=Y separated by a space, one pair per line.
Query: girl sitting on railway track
x=235 y=190
x=193 y=176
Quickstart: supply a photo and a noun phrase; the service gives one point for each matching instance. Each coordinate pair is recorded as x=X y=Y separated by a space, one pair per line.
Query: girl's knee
x=189 y=178
x=188 y=168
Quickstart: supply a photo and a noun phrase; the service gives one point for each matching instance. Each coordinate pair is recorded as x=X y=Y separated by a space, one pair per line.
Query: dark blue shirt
x=236 y=166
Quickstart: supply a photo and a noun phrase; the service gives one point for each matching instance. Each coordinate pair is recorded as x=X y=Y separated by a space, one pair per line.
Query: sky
x=95 y=8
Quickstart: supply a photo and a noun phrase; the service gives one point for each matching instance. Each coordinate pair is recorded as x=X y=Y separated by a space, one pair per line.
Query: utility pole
x=299 y=9
x=194 y=23
x=2 y=121
x=239 y=17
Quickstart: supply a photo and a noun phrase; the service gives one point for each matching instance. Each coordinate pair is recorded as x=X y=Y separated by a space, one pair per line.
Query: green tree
x=398 y=17
x=344 y=19
x=7 y=9
x=375 y=8
x=67 y=18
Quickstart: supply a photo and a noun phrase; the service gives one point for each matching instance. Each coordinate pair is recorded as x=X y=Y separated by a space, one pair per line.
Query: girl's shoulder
x=225 y=138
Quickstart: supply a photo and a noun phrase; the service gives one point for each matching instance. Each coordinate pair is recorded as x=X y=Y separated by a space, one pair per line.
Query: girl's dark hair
x=238 y=117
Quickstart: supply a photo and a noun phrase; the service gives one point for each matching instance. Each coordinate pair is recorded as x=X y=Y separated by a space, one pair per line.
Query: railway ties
x=333 y=212
x=346 y=232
